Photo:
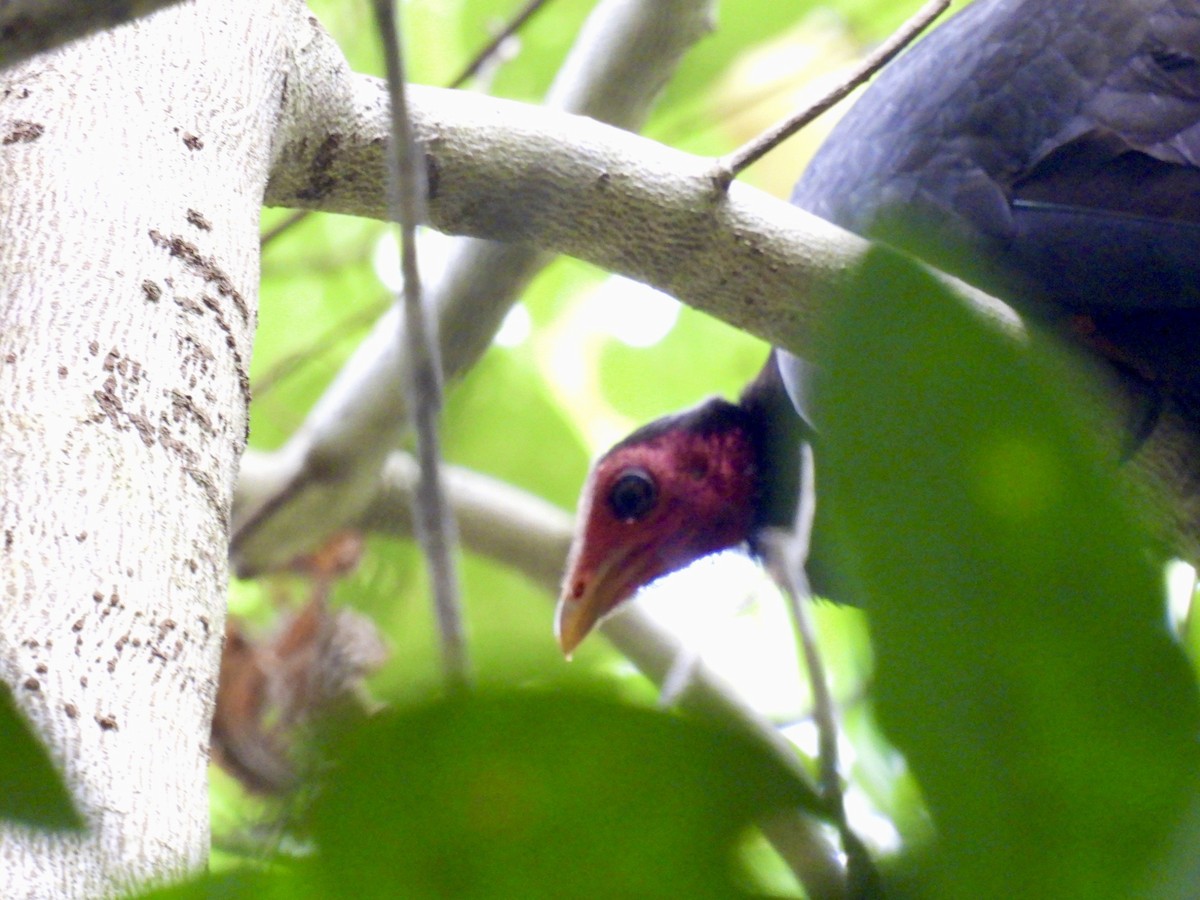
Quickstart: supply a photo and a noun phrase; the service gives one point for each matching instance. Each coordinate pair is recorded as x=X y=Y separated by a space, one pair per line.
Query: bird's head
x=676 y=490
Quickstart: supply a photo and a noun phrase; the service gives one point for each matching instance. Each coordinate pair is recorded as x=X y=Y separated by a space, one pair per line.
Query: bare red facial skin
x=704 y=485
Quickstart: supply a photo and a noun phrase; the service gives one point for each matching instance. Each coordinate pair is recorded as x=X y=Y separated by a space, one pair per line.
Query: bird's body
x=1048 y=152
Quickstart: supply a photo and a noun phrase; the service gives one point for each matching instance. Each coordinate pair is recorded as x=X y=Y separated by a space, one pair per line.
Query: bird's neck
x=778 y=432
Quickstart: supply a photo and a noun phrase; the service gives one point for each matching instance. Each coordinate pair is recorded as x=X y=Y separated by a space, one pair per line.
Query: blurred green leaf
x=739 y=26
x=543 y=42
x=501 y=398
x=1024 y=664
x=31 y=789
x=247 y=884
x=541 y=796
x=725 y=357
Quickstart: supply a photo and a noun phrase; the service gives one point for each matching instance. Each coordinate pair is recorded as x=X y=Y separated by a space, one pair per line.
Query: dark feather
x=1047 y=152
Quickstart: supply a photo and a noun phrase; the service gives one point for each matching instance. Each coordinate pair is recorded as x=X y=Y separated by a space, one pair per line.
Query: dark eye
x=632 y=495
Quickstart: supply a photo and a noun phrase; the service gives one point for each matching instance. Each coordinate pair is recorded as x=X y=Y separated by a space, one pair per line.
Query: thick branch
x=129 y=204
x=622 y=56
x=511 y=171
x=516 y=172
x=566 y=183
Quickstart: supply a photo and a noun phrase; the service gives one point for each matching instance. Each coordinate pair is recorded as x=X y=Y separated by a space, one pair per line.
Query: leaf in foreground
x=541 y=796
x=1025 y=667
x=31 y=789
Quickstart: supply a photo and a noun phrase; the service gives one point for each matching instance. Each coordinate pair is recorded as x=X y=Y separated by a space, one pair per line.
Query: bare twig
x=786 y=555
x=732 y=164
x=494 y=44
x=283 y=227
x=321 y=344
x=435 y=525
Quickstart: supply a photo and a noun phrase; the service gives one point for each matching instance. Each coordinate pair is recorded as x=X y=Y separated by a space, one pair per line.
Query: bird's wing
x=1049 y=152
x=1106 y=215
x=1026 y=132
x=1151 y=97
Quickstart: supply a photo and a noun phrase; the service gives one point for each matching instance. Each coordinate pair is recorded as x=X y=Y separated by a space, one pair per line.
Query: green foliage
x=505 y=394
x=280 y=884
x=527 y=795
x=730 y=355
x=539 y=796
x=1023 y=661
x=31 y=790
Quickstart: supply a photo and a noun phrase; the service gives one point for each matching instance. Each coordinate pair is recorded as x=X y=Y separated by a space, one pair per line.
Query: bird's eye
x=632 y=495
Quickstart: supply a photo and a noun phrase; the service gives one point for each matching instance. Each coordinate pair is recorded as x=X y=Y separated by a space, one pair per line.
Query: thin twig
x=786 y=555
x=824 y=713
x=285 y=226
x=288 y=365
x=435 y=524
x=732 y=164
x=489 y=50
x=494 y=44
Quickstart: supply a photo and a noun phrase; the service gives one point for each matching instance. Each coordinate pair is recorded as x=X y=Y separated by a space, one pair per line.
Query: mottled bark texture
x=132 y=166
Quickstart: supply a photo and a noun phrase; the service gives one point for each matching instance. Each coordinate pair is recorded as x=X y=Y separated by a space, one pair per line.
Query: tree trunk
x=132 y=166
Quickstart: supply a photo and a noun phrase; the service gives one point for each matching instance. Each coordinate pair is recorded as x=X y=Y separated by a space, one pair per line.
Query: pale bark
x=620 y=60
x=132 y=165
x=509 y=171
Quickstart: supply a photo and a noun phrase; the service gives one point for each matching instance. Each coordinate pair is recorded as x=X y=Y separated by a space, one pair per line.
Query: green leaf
x=503 y=395
x=541 y=796
x=242 y=884
x=739 y=26
x=701 y=356
x=31 y=790
x=1025 y=666
x=543 y=42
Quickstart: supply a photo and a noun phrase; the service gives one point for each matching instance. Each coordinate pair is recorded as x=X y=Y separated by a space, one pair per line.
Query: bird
x=1046 y=152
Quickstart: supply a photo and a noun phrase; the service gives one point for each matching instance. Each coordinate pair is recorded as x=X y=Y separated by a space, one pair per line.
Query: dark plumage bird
x=1048 y=152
